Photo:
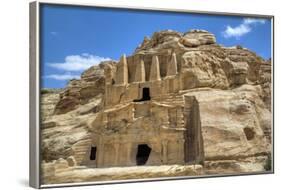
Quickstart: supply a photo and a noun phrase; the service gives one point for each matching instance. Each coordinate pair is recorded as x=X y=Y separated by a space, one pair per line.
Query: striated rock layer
x=180 y=99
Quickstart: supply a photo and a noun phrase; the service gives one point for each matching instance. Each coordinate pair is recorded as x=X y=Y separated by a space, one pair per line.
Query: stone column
x=154 y=69
x=116 y=148
x=129 y=150
x=165 y=151
x=122 y=71
x=140 y=72
x=108 y=74
x=100 y=150
x=180 y=143
x=172 y=68
x=180 y=117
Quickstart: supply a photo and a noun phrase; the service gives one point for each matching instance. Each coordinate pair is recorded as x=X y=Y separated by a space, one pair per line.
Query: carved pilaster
x=165 y=151
x=116 y=148
x=100 y=150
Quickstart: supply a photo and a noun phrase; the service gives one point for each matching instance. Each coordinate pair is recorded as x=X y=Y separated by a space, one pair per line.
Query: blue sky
x=74 y=38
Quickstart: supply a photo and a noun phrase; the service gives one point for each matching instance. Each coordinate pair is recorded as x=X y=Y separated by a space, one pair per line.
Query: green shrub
x=239 y=47
x=45 y=91
x=201 y=162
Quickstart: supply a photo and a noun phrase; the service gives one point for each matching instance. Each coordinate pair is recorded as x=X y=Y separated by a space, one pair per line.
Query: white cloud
x=245 y=27
x=66 y=76
x=54 y=33
x=237 y=31
x=253 y=21
x=78 y=62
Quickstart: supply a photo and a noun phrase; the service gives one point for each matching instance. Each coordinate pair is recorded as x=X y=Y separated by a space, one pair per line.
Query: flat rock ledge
x=83 y=174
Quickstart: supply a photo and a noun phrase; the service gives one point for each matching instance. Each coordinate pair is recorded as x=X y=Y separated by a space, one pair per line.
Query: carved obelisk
x=122 y=71
x=154 y=69
x=172 y=68
x=140 y=72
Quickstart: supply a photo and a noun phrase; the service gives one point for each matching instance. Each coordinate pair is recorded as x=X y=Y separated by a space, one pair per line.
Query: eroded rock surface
x=80 y=92
x=179 y=99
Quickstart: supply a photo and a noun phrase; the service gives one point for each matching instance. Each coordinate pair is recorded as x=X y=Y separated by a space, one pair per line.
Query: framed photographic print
x=131 y=94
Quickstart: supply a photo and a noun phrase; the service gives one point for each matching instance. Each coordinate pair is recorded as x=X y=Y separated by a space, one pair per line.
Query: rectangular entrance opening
x=145 y=95
x=142 y=154
x=93 y=153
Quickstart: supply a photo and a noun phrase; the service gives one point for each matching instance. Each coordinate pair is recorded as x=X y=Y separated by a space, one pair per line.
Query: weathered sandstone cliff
x=207 y=105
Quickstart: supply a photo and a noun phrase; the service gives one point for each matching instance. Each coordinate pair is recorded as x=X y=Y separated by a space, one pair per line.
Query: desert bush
x=239 y=47
x=44 y=91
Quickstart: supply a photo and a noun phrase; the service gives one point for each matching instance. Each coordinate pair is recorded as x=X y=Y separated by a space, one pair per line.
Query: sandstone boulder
x=71 y=161
x=195 y=38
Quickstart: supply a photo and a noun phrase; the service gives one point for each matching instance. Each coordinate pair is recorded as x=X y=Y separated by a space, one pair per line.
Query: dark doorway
x=145 y=95
x=93 y=153
x=142 y=154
